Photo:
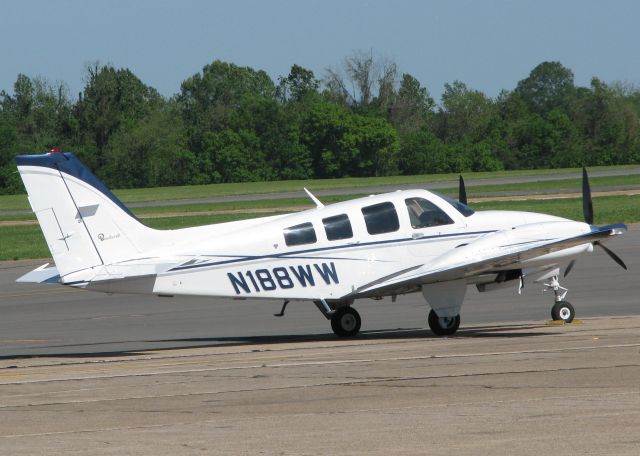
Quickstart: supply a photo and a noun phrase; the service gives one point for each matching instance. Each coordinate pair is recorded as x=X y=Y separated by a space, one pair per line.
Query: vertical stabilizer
x=84 y=224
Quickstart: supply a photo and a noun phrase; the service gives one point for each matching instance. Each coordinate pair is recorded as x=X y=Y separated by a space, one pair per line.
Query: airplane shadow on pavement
x=141 y=347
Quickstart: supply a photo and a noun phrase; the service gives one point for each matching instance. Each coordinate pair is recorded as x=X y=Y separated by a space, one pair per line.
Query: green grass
x=607 y=209
x=172 y=223
x=19 y=202
x=241 y=205
x=559 y=186
x=20 y=242
x=554 y=186
x=13 y=202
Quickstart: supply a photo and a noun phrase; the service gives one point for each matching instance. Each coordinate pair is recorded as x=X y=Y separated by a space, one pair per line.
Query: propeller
x=613 y=256
x=587 y=202
x=462 y=191
x=569 y=267
x=587 y=208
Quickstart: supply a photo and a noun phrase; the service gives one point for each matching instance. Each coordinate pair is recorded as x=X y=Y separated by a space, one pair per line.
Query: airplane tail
x=84 y=224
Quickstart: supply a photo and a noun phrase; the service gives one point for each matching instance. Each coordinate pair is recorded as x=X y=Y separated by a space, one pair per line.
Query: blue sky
x=490 y=45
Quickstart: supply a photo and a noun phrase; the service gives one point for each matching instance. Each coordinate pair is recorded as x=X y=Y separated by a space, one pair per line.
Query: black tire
x=563 y=310
x=345 y=322
x=445 y=326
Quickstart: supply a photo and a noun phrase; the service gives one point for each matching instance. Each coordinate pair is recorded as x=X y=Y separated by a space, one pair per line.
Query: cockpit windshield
x=460 y=207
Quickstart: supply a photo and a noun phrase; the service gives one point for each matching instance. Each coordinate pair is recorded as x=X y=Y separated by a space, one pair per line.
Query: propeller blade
x=613 y=256
x=569 y=267
x=587 y=203
x=462 y=191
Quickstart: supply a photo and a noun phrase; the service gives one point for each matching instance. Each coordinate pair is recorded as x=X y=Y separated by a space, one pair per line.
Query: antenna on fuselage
x=314 y=199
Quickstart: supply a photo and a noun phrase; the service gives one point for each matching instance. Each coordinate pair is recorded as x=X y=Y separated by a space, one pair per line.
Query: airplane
x=390 y=244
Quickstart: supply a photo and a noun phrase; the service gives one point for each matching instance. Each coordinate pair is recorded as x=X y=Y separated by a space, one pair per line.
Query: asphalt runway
x=51 y=320
x=518 y=388
x=87 y=373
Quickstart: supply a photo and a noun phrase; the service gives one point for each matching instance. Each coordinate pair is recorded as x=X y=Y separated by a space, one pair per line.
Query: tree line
x=364 y=118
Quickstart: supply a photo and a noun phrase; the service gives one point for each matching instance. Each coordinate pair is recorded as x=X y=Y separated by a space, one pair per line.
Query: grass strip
x=19 y=202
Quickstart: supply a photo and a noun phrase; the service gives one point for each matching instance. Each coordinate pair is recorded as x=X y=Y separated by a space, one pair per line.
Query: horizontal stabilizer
x=43 y=274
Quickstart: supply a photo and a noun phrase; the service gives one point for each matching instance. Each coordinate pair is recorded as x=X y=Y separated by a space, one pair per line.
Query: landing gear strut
x=561 y=310
x=443 y=326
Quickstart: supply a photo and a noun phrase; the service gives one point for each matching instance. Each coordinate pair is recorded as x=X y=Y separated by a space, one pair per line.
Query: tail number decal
x=283 y=277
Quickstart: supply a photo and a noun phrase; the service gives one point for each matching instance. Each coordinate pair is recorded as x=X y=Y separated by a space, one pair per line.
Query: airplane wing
x=492 y=253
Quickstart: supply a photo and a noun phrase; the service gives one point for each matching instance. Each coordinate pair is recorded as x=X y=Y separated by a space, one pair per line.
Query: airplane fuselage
x=255 y=262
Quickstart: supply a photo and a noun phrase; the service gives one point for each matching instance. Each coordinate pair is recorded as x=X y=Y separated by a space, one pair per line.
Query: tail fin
x=84 y=224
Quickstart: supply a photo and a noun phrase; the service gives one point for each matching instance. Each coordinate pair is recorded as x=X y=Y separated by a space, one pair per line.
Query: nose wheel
x=563 y=310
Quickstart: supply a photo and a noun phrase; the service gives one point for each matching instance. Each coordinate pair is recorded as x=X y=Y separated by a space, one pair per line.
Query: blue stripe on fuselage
x=239 y=259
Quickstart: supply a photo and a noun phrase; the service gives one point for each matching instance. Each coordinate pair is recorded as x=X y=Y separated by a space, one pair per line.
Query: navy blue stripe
x=68 y=163
x=320 y=249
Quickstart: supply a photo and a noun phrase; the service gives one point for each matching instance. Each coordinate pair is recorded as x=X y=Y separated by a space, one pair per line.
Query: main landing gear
x=562 y=310
x=345 y=320
x=443 y=326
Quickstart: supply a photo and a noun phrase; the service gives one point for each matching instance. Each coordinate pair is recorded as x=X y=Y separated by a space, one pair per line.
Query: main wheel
x=443 y=326
x=563 y=310
x=345 y=322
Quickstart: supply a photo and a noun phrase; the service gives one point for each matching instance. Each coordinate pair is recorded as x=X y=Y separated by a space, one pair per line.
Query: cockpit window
x=424 y=213
x=381 y=218
x=300 y=234
x=460 y=207
x=337 y=227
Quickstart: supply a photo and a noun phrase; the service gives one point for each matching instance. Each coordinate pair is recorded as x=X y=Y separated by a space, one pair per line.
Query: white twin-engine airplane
x=382 y=245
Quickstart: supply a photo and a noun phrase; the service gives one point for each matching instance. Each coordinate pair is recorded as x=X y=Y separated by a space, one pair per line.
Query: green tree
x=9 y=179
x=277 y=129
x=422 y=152
x=413 y=106
x=208 y=99
x=112 y=99
x=609 y=124
x=299 y=86
x=465 y=114
x=549 y=86
x=235 y=156
x=151 y=153
x=346 y=144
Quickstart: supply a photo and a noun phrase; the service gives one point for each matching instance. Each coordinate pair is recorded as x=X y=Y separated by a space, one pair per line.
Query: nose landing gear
x=562 y=310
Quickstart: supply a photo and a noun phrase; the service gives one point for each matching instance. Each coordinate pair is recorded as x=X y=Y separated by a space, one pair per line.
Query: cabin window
x=300 y=234
x=381 y=218
x=338 y=227
x=424 y=213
